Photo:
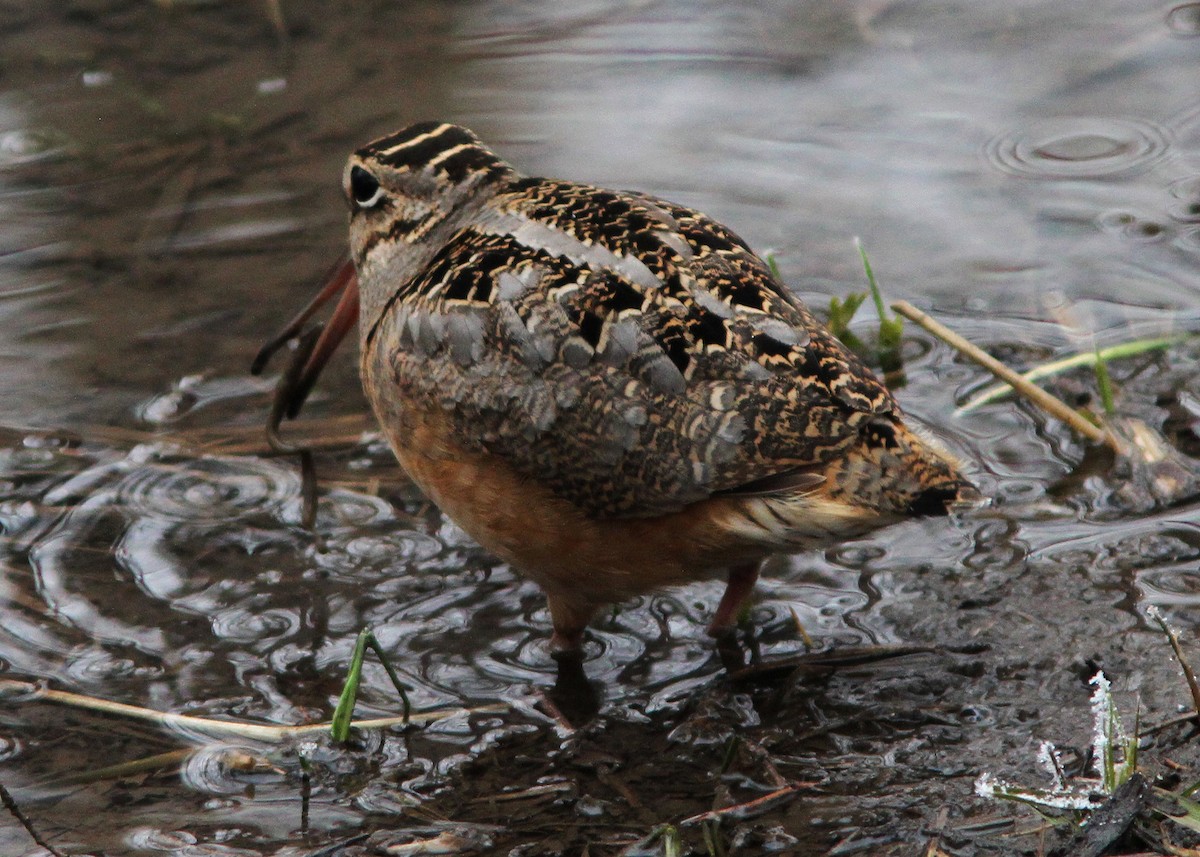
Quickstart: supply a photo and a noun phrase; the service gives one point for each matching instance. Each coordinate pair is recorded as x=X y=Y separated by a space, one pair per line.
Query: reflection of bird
x=609 y=391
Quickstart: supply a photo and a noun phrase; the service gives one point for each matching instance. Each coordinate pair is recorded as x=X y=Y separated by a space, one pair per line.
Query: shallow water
x=1027 y=172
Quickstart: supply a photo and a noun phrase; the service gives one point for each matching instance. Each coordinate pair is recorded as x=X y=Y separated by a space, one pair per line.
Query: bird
x=609 y=391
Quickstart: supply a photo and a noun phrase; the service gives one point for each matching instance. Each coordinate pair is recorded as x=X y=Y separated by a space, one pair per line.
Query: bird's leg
x=569 y=619
x=741 y=584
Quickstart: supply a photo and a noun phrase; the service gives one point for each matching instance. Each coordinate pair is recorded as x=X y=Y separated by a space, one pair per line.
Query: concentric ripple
x=227 y=769
x=208 y=489
x=10 y=747
x=1187 y=209
x=1079 y=148
x=1184 y=20
x=27 y=145
x=1133 y=227
x=1170 y=588
x=156 y=839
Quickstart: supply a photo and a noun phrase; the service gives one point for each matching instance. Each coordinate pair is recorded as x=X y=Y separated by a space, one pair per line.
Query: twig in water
x=801 y=631
x=215 y=729
x=749 y=809
x=156 y=762
x=11 y=806
x=275 y=14
x=1188 y=674
x=308 y=490
x=305 y=791
x=1167 y=724
x=939 y=826
x=553 y=790
x=1051 y=404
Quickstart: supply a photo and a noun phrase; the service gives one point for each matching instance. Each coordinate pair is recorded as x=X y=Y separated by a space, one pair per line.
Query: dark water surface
x=169 y=192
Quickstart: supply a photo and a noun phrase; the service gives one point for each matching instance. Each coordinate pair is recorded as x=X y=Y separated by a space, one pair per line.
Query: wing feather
x=632 y=354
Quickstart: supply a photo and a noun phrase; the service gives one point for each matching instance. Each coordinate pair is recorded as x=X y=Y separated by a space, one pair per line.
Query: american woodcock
x=609 y=391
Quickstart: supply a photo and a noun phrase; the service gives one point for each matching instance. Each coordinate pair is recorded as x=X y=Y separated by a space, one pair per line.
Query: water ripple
x=97 y=665
x=1187 y=209
x=1184 y=20
x=1171 y=588
x=1079 y=148
x=26 y=146
x=11 y=746
x=249 y=625
x=226 y=769
x=208 y=489
x=1133 y=227
x=154 y=839
x=1189 y=241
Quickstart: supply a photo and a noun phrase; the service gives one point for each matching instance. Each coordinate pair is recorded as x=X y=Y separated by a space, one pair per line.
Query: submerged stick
x=217 y=729
x=11 y=805
x=1047 y=402
x=749 y=809
x=123 y=769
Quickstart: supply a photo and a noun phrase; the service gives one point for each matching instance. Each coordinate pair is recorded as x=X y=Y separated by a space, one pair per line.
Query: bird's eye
x=364 y=188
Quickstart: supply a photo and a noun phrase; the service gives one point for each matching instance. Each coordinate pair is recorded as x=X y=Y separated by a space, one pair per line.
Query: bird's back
x=629 y=354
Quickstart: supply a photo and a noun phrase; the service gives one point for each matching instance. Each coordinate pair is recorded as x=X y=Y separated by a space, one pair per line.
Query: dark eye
x=364 y=188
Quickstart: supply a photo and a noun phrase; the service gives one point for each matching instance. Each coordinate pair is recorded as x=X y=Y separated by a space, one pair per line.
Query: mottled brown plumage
x=609 y=390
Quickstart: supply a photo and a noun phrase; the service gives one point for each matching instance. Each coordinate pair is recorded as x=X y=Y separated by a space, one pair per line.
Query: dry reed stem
x=207 y=727
x=1048 y=403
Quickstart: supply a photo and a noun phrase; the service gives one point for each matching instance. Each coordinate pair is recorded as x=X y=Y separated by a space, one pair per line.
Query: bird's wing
x=631 y=354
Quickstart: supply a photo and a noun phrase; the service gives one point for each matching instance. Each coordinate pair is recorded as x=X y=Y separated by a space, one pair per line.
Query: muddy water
x=1029 y=172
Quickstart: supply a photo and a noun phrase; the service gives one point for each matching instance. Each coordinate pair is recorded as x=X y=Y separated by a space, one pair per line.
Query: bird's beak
x=310 y=358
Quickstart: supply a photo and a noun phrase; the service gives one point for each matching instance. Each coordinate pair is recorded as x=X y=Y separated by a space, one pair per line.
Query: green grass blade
x=1190 y=815
x=1104 y=384
x=339 y=726
x=773 y=266
x=841 y=312
x=891 y=328
x=672 y=844
x=396 y=683
x=1057 y=367
x=876 y=295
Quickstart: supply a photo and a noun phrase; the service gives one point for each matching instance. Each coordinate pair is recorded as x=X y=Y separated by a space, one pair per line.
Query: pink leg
x=569 y=622
x=741 y=584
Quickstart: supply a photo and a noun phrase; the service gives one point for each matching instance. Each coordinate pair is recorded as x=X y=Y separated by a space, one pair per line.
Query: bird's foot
x=737 y=592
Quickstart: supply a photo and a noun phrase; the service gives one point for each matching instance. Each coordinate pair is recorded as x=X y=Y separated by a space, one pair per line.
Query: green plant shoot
x=840 y=314
x=891 y=328
x=339 y=727
x=1104 y=384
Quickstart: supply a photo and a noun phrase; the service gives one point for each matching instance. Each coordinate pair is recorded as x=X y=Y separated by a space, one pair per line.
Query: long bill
x=310 y=358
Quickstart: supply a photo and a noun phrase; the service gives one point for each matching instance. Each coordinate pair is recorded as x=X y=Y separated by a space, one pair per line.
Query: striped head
x=408 y=194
